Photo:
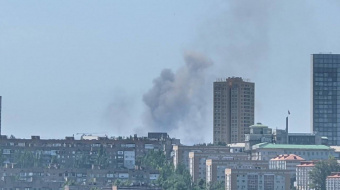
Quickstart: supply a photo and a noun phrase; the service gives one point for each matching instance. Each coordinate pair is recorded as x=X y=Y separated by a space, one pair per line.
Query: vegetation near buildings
x=320 y=172
x=171 y=178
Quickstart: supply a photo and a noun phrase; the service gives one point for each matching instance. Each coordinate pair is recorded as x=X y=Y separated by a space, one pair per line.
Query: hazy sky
x=69 y=67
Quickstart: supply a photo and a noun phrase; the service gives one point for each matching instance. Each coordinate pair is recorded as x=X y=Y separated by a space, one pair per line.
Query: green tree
x=320 y=172
x=102 y=159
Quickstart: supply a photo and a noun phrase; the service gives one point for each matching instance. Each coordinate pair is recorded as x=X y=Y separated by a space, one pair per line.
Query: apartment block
x=303 y=180
x=251 y=179
x=285 y=162
x=333 y=181
x=197 y=162
x=215 y=169
x=53 y=178
x=181 y=152
x=233 y=109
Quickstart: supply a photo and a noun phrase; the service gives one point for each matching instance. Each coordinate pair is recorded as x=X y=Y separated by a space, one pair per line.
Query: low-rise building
x=267 y=151
x=249 y=179
x=181 y=152
x=303 y=180
x=51 y=179
x=197 y=162
x=215 y=169
x=285 y=162
x=333 y=181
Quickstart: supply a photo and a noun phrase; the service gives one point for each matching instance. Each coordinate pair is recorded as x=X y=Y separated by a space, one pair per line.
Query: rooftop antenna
x=287 y=126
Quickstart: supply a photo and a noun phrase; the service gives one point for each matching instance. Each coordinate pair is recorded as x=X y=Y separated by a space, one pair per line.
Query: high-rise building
x=326 y=96
x=233 y=110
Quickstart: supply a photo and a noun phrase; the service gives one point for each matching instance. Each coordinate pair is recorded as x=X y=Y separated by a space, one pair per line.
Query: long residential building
x=53 y=178
x=253 y=179
x=267 y=151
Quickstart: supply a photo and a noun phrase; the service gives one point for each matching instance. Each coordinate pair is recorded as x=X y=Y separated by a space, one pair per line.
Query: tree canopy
x=320 y=172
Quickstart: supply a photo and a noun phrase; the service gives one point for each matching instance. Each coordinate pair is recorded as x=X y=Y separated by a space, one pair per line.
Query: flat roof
x=292 y=146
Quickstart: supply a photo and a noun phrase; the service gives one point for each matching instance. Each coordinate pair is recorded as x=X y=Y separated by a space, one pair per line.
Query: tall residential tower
x=233 y=109
x=326 y=96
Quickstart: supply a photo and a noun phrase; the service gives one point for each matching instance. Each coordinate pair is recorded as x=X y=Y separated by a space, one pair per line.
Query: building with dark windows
x=233 y=110
x=326 y=96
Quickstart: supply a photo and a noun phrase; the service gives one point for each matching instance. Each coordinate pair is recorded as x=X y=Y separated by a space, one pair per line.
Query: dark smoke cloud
x=177 y=102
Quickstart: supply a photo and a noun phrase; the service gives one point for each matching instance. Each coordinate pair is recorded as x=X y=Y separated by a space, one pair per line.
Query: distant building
x=306 y=138
x=267 y=151
x=233 y=110
x=215 y=169
x=280 y=136
x=197 y=162
x=287 y=162
x=236 y=147
x=158 y=135
x=84 y=179
x=333 y=181
x=181 y=152
x=326 y=96
x=303 y=180
x=258 y=134
x=249 y=179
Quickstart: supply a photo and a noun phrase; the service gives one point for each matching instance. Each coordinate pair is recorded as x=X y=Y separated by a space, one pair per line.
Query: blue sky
x=70 y=67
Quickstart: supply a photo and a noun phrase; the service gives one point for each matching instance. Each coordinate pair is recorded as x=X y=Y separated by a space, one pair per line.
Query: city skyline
x=67 y=69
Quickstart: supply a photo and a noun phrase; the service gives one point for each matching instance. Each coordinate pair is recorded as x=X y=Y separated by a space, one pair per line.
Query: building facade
x=303 y=180
x=253 y=179
x=333 y=181
x=258 y=134
x=233 y=110
x=326 y=96
x=181 y=152
x=215 y=169
x=267 y=151
x=197 y=162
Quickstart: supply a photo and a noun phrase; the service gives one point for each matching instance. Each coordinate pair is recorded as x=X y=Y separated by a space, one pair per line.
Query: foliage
x=320 y=172
x=216 y=186
x=169 y=177
x=102 y=159
x=27 y=159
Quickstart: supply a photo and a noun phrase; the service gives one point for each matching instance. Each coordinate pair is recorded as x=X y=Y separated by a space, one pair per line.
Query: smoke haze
x=177 y=100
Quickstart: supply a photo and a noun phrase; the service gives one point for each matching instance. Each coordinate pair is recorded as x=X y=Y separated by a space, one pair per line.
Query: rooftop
x=259 y=125
x=288 y=157
x=291 y=146
x=237 y=145
x=334 y=175
x=306 y=164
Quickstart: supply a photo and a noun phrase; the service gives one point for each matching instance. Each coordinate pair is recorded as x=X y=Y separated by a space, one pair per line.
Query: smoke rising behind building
x=177 y=100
